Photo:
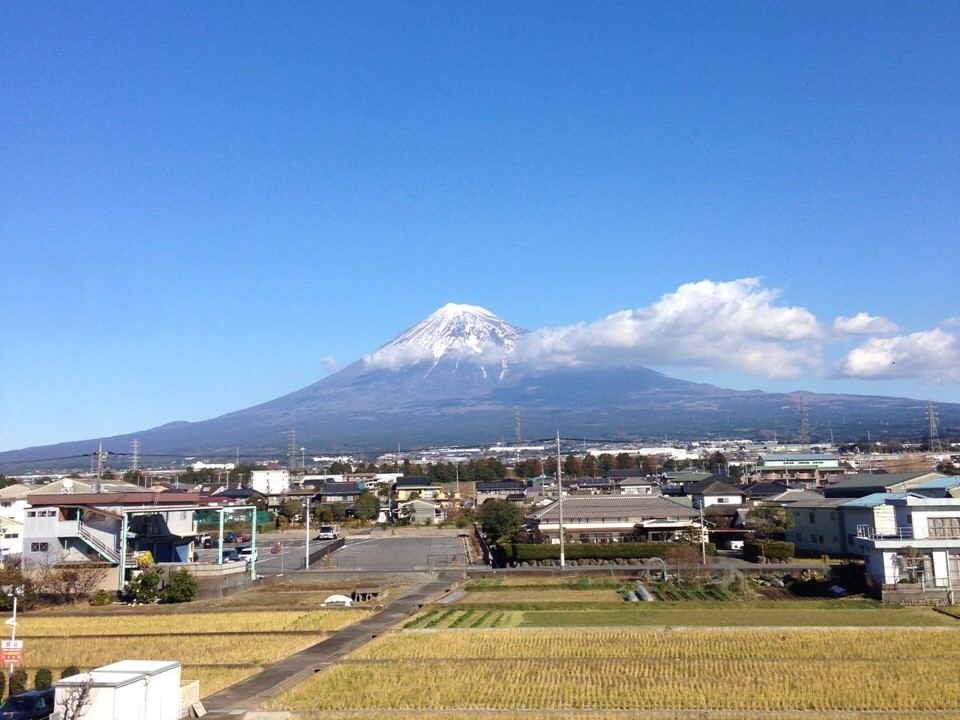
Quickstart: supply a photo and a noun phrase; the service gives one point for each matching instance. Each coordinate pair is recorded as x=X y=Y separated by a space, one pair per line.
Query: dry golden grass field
x=521 y=650
x=529 y=651
x=217 y=643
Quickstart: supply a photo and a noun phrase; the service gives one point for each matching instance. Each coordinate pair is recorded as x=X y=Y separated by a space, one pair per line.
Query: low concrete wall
x=216 y=581
x=318 y=555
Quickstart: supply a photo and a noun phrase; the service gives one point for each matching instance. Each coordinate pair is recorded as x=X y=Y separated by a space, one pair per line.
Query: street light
x=15 y=592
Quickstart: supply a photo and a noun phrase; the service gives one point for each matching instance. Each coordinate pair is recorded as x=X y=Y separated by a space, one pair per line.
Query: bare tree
x=68 y=582
x=685 y=557
x=76 y=701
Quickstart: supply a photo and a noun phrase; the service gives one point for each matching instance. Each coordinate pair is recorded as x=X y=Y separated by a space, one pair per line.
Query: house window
x=39 y=547
x=944 y=527
x=812 y=517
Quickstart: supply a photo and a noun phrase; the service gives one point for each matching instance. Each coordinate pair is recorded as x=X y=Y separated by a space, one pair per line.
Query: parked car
x=32 y=705
x=204 y=540
x=230 y=536
x=247 y=553
x=231 y=556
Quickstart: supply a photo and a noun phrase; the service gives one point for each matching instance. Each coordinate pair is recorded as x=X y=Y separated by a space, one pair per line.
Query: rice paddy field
x=218 y=646
x=523 y=650
x=532 y=649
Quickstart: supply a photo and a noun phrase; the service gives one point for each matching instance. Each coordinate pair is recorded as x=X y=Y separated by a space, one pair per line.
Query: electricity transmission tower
x=804 y=426
x=932 y=435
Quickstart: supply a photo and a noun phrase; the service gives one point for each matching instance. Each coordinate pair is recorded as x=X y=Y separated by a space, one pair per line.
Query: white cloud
x=863 y=324
x=731 y=325
x=933 y=356
x=329 y=363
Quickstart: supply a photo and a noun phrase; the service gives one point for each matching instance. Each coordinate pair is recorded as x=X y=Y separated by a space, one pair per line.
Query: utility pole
x=560 y=500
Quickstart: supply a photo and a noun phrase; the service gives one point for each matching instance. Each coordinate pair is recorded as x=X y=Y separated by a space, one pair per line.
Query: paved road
x=400 y=554
x=288 y=558
x=249 y=694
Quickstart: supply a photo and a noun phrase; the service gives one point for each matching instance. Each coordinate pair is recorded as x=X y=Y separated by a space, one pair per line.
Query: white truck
x=329 y=532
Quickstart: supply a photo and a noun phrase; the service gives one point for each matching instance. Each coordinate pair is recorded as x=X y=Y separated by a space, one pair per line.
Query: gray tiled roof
x=602 y=507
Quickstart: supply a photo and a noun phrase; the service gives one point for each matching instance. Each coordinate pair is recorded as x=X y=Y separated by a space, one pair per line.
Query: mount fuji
x=460 y=376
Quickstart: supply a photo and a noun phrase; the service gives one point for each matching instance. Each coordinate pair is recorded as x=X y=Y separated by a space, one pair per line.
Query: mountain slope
x=455 y=379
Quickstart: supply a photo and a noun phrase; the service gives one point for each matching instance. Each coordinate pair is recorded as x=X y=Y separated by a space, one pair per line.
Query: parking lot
x=278 y=555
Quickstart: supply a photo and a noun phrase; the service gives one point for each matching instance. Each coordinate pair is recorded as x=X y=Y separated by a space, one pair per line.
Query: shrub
x=101 y=597
x=69 y=671
x=143 y=588
x=181 y=588
x=43 y=679
x=3 y=682
x=772 y=550
x=591 y=551
x=18 y=681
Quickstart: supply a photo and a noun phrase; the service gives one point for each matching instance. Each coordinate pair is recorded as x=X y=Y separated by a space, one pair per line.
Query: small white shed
x=126 y=690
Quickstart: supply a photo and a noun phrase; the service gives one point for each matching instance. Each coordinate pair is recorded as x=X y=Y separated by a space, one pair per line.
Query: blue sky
x=205 y=206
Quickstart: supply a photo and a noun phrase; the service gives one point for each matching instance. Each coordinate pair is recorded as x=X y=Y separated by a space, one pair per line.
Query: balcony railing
x=868 y=532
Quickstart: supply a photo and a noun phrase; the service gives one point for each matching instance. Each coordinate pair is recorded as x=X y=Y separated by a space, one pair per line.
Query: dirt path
x=247 y=695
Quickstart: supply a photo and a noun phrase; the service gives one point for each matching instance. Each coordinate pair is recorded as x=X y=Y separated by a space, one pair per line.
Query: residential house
x=414 y=486
x=676 y=483
x=345 y=493
x=863 y=484
x=639 y=486
x=512 y=490
x=613 y=518
x=13 y=507
x=816 y=527
x=919 y=545
x=726 y=526
x=422 y=512
x=715 y=490
x=108 y=528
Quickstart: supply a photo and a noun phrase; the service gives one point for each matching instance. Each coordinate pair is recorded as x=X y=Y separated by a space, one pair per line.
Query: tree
x=499 y=519
x=144 y=588
x=338 y=511
x=590 y=466
x=572 y=467
x=716 y=462
x=76 y=700
x=291 y=509
x=684 y=557
x=182 y=587
x=42 y=679
x=768 y=522
x=367 y=506
x=18 y=681
x=68 y=583
x=911 y=561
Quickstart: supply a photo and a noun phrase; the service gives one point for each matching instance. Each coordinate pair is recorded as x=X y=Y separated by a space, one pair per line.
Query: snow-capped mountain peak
x=454 y=332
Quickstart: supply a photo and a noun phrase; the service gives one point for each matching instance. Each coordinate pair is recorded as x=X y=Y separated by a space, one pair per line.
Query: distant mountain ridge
x=457 y=378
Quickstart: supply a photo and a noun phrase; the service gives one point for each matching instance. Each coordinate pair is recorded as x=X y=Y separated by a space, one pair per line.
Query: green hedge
x=772 y=550
x=516 y=552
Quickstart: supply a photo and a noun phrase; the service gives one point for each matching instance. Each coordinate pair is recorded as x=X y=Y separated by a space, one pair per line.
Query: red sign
x=11 y=652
